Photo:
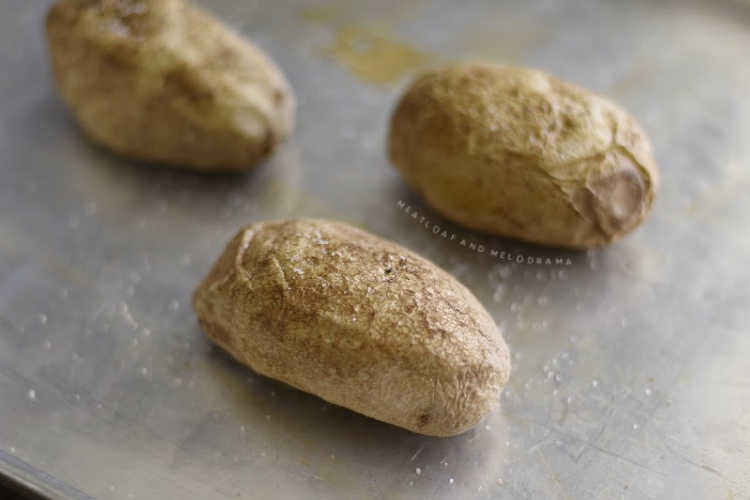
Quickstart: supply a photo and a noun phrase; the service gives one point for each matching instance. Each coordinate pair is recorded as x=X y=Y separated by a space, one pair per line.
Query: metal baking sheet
x=631 y=376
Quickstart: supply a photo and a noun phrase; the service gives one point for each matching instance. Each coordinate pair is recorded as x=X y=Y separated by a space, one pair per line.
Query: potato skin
x=358 y=321
x=516 y=152
x=164 y=81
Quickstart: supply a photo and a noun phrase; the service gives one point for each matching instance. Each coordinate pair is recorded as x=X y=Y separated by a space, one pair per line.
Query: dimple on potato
x=358 y=321
x=164 y=81
x=516 y=152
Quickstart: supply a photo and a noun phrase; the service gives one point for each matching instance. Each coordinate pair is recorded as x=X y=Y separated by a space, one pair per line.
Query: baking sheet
x=630 y=376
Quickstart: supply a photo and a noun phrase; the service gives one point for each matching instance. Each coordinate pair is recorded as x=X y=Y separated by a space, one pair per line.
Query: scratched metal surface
x=631 y=376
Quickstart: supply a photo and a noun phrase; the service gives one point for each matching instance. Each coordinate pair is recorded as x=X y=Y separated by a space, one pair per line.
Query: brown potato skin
x=358 y=321
x=164 y=81
x=515 y=152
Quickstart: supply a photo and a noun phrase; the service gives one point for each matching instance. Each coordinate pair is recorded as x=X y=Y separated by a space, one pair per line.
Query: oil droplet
x=647 y=391
x=450 y=481
x=515 y=307
x=242 y=429
x=418 y=471
x=77 y=397
x=174 y=305
x=594 y=383
x=13 y=449
x=146 y=332
x=144 y=371
x=635 y=427
x=32 y=394
x=500 y=481
x=42 y=318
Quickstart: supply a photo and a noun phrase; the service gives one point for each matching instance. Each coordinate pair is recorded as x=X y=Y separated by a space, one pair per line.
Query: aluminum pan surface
x=630 y=374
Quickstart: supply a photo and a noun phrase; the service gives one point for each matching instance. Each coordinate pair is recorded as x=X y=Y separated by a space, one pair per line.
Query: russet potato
x=516 y=152
x=358 y=321
x=164 y=81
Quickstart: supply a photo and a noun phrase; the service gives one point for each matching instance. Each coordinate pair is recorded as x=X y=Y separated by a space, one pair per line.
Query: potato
x=358 y=321
x=516 y=152
x=161 y=80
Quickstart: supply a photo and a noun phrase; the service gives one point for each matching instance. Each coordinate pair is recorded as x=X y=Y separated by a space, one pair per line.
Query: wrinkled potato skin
x=515 y=152
x=163 y=81
x=358 y=321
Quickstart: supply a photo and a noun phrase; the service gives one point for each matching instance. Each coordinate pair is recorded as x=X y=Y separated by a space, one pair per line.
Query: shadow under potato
x=456 y=247
x=129 y=184
x=279 y=416
x=267 y=191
